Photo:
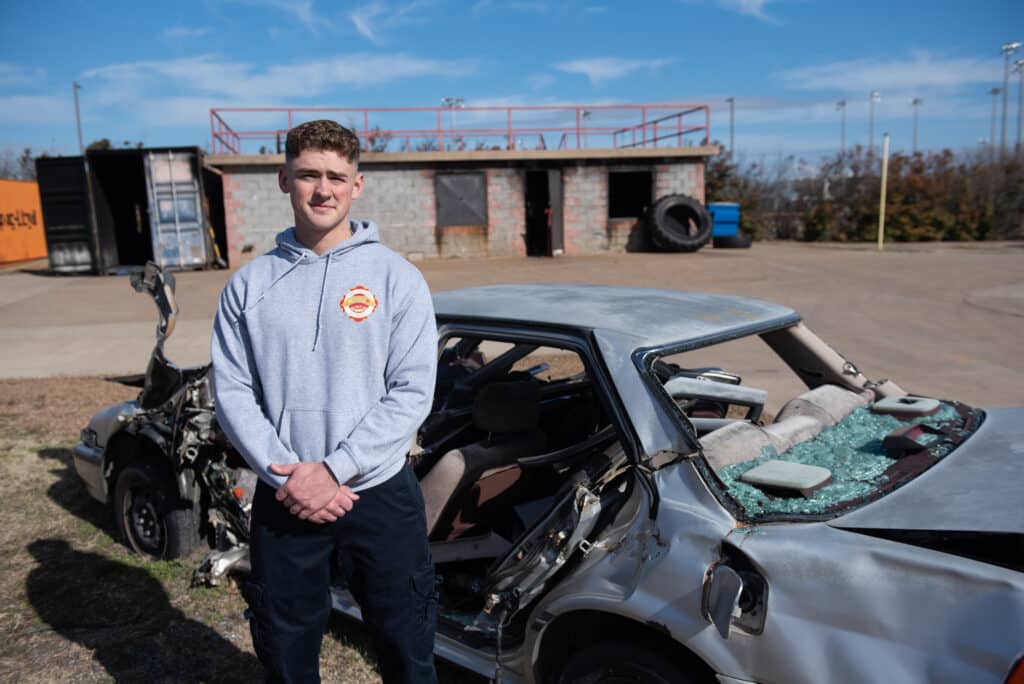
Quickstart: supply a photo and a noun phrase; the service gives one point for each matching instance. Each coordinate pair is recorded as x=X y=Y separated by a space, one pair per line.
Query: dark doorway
x=544 y=213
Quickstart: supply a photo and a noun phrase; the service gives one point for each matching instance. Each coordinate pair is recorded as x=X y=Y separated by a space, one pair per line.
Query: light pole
x=875 y=97
x=732 y=121
x=78 y=117
x=452 y=103
x=1008 y=50
x=994 y=92
x=841 y=108
x=586 y=117
x=915 y=103
x=1018 y=67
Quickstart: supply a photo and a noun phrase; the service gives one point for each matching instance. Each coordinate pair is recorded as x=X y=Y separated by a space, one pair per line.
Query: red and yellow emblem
x=358 y=303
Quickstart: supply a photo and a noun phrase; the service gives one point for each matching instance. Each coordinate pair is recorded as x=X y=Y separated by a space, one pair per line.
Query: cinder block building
x=485 y=202
x=480 y=203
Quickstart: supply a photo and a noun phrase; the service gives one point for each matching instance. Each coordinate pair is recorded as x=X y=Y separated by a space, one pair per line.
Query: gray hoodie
x=325 y=358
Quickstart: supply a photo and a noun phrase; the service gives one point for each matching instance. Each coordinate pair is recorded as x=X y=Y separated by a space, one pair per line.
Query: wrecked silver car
x=168 y=472
x=613 y=495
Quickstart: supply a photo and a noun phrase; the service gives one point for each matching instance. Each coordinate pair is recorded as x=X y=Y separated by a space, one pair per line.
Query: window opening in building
x=629 y=193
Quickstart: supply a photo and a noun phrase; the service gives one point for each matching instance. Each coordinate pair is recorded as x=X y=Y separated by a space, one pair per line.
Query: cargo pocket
x=424 y=587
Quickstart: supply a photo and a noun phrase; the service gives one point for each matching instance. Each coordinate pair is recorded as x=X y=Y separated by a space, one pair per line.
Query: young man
x=324 y=360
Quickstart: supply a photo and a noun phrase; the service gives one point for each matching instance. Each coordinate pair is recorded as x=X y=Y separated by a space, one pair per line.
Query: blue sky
x=152 y=71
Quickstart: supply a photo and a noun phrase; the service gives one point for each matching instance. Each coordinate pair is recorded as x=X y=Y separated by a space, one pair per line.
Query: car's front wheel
x=615 y=663
x=149 y=517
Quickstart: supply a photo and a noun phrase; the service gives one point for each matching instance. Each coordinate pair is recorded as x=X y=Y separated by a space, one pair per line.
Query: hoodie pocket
x=312 y=434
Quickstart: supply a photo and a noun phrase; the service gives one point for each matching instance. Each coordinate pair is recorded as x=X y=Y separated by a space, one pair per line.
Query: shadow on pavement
x=124 y=616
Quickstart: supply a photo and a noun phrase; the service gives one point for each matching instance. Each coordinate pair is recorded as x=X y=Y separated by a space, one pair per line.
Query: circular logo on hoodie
x=358 y=303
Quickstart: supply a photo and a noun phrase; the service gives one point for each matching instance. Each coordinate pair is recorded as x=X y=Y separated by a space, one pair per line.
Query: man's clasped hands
x=311 y=492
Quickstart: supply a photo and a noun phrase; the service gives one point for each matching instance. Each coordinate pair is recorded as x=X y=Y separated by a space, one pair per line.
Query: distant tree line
x=930 y=196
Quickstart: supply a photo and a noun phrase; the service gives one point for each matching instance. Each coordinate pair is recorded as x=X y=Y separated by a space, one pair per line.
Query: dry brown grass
x=75 y=605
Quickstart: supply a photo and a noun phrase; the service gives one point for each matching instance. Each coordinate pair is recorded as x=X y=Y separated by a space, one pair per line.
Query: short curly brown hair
x=322 y=134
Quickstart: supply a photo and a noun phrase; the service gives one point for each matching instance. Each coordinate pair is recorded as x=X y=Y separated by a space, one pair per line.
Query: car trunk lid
x=975 y=489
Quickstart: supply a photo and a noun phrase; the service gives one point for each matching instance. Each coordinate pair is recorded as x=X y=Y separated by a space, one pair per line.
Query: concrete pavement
x=946 y=320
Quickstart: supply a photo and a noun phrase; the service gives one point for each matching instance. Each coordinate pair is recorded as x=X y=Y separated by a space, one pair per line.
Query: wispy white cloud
x=921 y=71
x=17 y=75
x=600 y=69
x=365 y=19
x=215 y=76
x=750 y=8
x=185 y=32
x=373 y=19
x=299 y=10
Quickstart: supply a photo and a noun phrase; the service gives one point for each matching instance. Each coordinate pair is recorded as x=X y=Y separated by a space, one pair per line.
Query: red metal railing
x=223 y=140
x=407 y=129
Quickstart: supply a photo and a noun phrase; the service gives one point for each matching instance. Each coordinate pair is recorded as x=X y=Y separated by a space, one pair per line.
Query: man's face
x=322 y=185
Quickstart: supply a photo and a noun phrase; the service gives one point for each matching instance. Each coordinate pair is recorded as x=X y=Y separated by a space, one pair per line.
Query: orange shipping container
x=21 y=222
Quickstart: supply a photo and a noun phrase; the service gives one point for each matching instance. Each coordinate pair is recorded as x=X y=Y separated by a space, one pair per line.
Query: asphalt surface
x=940 y=319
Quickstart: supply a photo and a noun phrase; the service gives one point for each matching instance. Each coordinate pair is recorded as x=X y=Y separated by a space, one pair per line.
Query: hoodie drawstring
x=320 y=308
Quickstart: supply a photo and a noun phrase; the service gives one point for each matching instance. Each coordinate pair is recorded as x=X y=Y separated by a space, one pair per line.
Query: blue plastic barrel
x=725 y=218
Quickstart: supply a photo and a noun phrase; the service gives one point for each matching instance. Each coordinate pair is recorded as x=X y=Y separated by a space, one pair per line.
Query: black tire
x=737 y=241
x=150 y=517
x=678 y=223
x=615 y=663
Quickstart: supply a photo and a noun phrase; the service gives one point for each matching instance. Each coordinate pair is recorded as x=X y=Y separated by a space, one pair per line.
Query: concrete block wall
x=402 y=202
x=506 y=212
x=585 y=201
x=685 y=178
x=255 y=210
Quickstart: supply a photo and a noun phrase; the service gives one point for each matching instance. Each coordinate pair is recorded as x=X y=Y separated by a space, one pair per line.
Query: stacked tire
x=678 y=223
x=737 y=241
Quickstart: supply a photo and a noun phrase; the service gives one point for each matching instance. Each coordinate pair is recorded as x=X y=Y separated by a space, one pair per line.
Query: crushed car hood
x=976 y=488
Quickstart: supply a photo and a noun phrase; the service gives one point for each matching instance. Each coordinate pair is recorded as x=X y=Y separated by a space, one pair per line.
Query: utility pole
x=1008 y=50
x=78 y=117
x=915 y=103
x=841 y=108
x=994 y=92
x=732 y=121
x=1018 y=66
x=452 y=103
x=875 y=97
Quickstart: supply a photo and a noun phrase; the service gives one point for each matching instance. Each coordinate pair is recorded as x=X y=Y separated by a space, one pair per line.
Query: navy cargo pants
x=382 y=543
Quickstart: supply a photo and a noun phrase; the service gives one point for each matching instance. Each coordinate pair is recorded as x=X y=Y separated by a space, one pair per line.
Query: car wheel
x=612 y=663
x=149 y=517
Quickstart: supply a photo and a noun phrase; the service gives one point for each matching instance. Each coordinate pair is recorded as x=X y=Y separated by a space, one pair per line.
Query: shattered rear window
x=852 y=450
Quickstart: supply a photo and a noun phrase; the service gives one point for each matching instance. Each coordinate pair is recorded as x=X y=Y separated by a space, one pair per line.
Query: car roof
x=648 y=317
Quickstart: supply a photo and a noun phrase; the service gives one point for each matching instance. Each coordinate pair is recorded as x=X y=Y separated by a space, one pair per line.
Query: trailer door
x=64 y=196
x=175 y=209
